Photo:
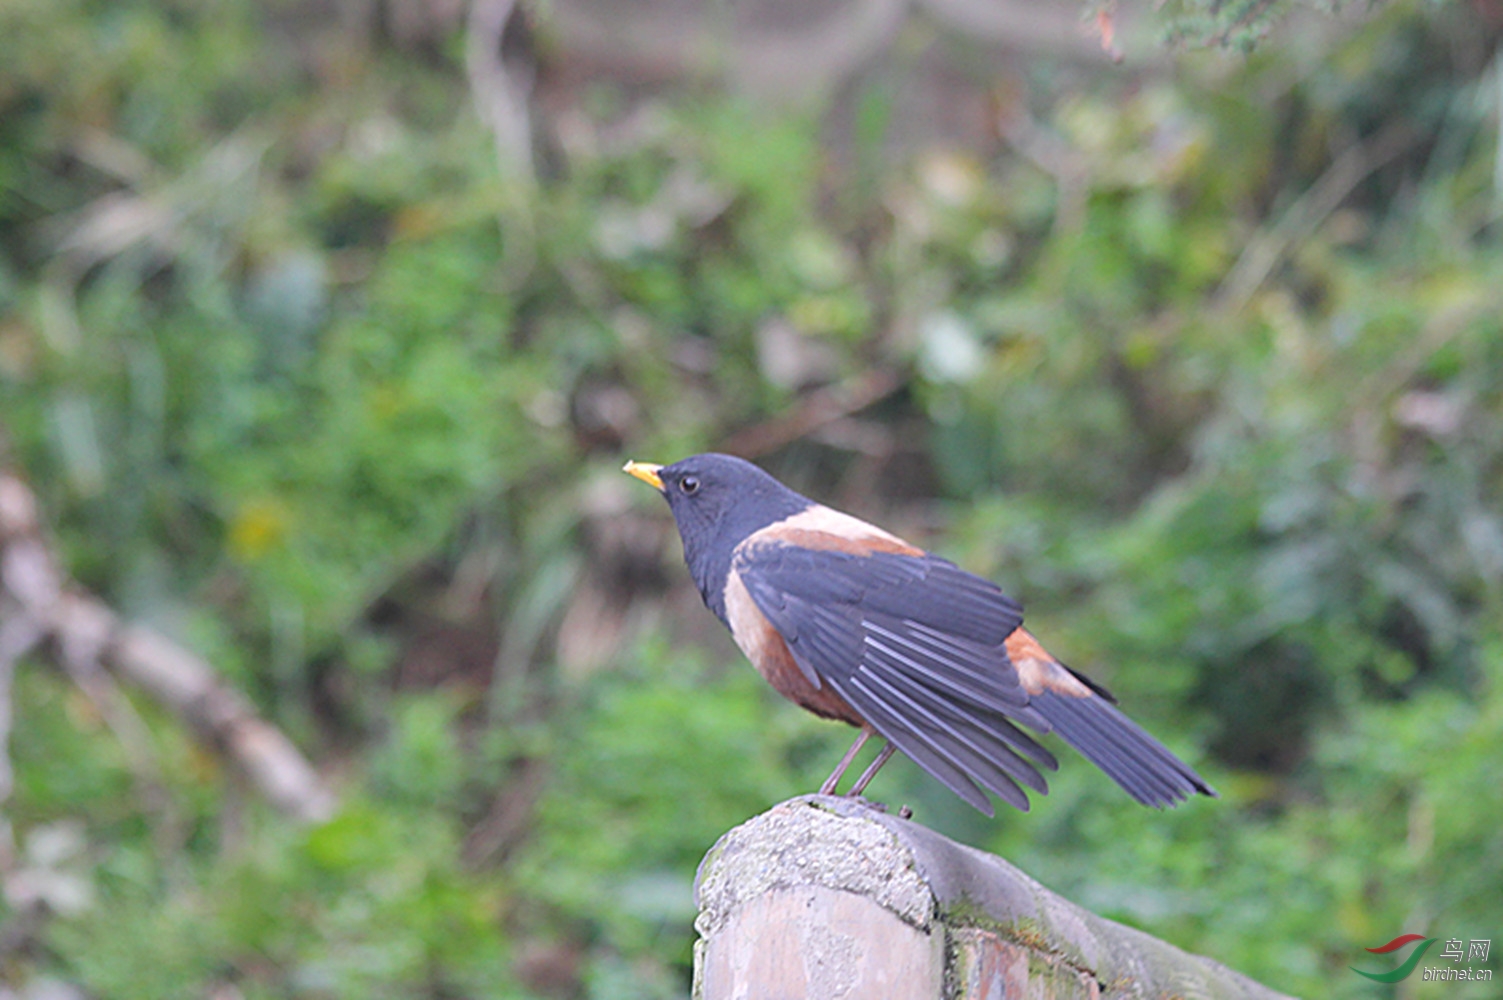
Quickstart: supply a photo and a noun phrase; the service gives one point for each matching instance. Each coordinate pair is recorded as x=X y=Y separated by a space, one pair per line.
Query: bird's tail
x=1142 y=765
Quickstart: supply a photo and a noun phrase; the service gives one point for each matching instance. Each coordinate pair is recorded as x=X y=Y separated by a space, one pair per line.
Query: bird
x=855 y=624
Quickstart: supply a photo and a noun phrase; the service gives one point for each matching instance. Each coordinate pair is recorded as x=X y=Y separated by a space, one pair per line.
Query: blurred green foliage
x=304 y=382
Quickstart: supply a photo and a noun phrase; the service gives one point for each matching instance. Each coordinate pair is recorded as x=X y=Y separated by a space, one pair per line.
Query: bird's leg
x=872 y=769
x=828 y=788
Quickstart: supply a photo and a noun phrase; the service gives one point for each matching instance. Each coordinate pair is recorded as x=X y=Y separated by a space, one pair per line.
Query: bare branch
x=505 y=824
x=89 y=636
x=24 y=573
x=817 y=410
x=499 y=101
x=1051 y=154
x=187 y=685
x=1264 y=251
x=79 y=649
x=19 y=634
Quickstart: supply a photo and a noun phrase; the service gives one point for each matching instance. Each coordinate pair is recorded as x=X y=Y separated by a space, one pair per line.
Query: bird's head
x=717 y=500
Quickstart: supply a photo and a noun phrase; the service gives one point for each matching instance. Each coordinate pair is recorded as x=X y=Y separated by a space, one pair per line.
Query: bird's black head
x=717 y=500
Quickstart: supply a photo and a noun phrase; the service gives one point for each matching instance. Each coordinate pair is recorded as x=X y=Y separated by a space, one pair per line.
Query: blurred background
x=326 y=326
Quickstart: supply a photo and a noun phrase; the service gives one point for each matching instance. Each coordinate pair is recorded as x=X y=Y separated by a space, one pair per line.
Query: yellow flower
x=257 y=528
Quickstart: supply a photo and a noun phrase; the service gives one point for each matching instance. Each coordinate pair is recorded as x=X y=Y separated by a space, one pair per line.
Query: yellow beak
x=645 y=471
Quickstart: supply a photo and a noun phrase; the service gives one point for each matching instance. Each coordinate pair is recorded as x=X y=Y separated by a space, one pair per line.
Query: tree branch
x=815 y=411
x=1265 y=250
x=499 y=101
x=89 y=636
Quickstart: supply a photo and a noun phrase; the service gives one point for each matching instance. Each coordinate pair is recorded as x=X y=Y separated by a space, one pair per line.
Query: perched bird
x=853 y=623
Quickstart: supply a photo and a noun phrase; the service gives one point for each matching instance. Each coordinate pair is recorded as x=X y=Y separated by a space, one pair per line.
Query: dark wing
x=917 y=646
x=935 y=660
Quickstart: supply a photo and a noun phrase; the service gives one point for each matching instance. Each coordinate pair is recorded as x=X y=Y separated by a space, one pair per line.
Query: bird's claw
x=904 y=812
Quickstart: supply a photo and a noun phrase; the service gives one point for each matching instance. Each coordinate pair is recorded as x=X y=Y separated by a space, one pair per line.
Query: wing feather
x=982 y=753
x=943 y=674
x=912 y=742
x=955 y=744
x=918 y=647
x=974 y=701
x=923 y=588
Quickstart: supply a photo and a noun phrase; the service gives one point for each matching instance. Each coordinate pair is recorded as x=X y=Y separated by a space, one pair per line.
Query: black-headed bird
x=853 y=623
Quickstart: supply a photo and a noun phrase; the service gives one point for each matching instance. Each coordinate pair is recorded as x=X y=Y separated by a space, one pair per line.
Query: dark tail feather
x=1120 y=747
x=975 y=748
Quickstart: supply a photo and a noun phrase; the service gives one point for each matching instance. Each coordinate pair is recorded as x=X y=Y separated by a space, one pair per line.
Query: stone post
x=824 y=898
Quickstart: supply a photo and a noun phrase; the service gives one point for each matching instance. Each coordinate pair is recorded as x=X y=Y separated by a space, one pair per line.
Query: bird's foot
x=872 y=804
x=904 y=812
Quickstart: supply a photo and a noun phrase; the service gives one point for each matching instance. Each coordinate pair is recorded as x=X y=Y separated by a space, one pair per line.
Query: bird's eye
x=689 y=484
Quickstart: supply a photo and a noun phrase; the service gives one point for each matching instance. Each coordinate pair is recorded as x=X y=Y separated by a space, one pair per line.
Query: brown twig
x=499 y=101
x=19 y=634
x=816 y=410
x=506 y=821
x=79 y=651
x=90 y=638
x=1265 y=250
x=1245 y=20
x=1028 y=27
x=1040 y=146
